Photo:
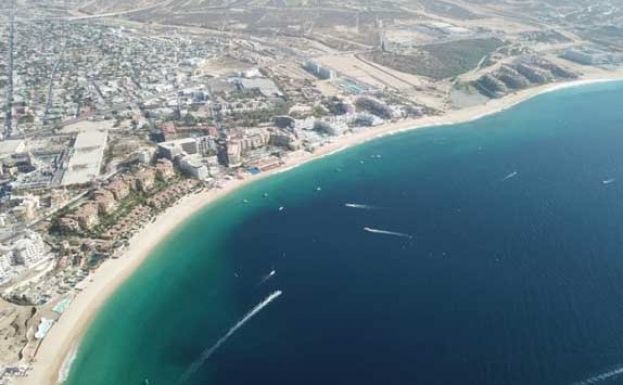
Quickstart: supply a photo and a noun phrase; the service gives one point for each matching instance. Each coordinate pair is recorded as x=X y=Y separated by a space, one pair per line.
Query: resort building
x=253 y=139
x=68 y=225
x=86 y=215
x=283 y=138
x=164 y=169
x=145 y=179
x=193 y=166
x=233 y=153
x=5 y=266
x=119 y=188
x=105 y=201
x=28 y=250
x=27 y=207
x=203 y=145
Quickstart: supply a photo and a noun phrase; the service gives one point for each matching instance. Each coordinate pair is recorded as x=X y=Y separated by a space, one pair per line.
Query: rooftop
x=86 y=161
x=9 y=147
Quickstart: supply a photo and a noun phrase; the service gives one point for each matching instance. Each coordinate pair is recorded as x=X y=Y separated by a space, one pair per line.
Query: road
x=8 y=122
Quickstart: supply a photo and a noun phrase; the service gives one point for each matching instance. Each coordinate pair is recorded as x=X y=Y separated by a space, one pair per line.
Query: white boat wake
x=360 y=206
x=267 y=277
x=386 y=232
x=198 y=363
x=608 y=181
x=601 y=377
x=509 y=176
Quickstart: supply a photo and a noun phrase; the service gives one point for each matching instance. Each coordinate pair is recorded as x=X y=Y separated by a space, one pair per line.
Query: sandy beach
x=64 y=336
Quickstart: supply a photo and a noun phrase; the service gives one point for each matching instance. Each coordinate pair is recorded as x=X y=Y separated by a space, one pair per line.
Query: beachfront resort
x=113 y=115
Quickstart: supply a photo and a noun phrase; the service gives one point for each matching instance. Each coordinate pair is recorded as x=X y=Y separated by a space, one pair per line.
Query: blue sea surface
x=488 y=252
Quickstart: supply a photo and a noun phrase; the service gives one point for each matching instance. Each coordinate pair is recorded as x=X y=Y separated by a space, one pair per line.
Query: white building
x=26 y=252
x=5 y=266
x=29 y=250
x=86 y=160
x=266 y=87
x=10 y=147
x=203 y=145
x=27 y=208
x=254 y=138
x=319 y=70
x=193 y=166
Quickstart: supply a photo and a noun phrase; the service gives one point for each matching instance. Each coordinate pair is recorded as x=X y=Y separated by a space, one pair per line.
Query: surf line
x=386 y=232
x=601 y=377
x=198 y=363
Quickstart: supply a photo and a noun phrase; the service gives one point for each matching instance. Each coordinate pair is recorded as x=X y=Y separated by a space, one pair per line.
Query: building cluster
x=9 y=372
x=522 y=73
x=106 y=124
x=592 y=56
x=105 y=200
x=196 y=157
x=82 y=69
x=207 y=157
x=22 y=253
x=107 y=121
x=113 y=124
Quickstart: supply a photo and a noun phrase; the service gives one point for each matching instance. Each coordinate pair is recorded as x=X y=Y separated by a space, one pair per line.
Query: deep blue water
x=512 y=274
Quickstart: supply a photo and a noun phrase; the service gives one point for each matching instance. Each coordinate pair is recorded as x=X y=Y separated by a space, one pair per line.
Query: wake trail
x=360 y=206
x=601 y=377
x=386 y=232
x=198 y=363
x=267 y=277
x=509 y=176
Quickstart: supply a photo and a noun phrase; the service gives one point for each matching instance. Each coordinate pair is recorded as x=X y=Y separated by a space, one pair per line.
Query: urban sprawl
x=112 y=115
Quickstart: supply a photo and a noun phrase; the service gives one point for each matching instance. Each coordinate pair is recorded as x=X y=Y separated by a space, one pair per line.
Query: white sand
x=66 y=333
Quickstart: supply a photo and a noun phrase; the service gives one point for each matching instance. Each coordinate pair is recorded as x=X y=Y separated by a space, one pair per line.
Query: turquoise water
x=504 y=265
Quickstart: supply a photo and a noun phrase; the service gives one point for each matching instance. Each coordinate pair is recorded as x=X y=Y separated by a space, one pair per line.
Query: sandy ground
x=64 y=336
x=377 y=76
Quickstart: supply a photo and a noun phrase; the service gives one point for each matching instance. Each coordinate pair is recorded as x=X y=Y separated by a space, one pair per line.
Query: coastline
x=65 y=335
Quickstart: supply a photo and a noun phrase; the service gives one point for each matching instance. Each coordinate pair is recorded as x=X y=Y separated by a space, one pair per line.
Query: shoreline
x=65 y=335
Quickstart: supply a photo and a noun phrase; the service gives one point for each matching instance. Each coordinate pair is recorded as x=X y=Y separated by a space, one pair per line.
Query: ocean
x=489 y=252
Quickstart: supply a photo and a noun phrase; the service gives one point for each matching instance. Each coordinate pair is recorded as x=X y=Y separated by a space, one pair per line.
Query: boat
x=509 y=176
x=146 y=381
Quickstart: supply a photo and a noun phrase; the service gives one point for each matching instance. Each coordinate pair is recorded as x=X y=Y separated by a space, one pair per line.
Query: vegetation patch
x=439 y=61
